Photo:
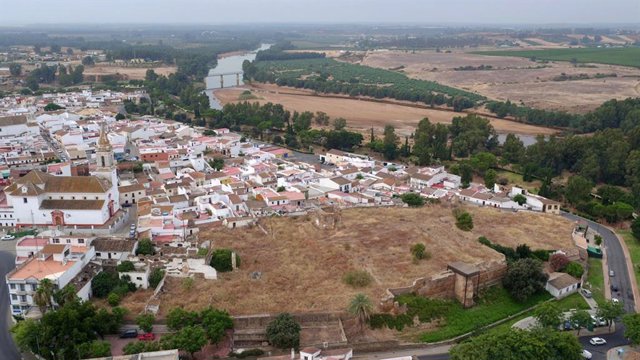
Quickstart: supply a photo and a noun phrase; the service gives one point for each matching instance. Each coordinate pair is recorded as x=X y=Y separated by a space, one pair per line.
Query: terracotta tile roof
x=60 y=184
x=113 y=245
x=13 y=120
x=72 y=204
x=53 y=248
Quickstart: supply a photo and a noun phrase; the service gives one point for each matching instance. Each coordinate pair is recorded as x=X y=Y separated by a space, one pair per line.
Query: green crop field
x=628 y=56
x=343 y=74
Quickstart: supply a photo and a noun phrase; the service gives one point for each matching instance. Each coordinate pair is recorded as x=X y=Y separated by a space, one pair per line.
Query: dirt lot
x=516 y=79
x=362 y=115
x=301 y=267
x=132 y=73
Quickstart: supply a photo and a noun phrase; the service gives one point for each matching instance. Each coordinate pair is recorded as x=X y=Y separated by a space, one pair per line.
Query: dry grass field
x=362 y=115
x=516 y=79
x=302 y=267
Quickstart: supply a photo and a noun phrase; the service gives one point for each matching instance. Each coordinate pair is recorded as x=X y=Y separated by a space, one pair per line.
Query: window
x=80 y=241
x=98 y=254
x=84 y=198
x=56 y=241
x=138 y=278
x=21 y=287
x=23 y=298
x=24 y=200
x=13 y=286
x=73 y=198
x=68 y=241
x=34 y=287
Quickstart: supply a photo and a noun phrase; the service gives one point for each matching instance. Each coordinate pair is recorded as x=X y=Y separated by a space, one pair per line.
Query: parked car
x=129 y=334
x=146 y=337
x=132 y=227
x=614 y=287
x=598 y=321
x=586 y=293
x=567 y=326
x=612 y=273
x=7 y=237
x=585 y=354
x=615 y=301
x=595 y=341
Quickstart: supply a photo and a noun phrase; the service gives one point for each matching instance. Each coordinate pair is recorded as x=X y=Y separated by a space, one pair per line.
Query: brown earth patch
x=302 y=267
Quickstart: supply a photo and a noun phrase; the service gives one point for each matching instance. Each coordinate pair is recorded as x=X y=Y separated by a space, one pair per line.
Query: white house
x=336 y=183
x=560 y=285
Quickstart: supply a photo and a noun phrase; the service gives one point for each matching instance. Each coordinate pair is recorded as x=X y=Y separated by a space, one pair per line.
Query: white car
x=585 y=354
x=7 y=237
x=597 y=341
x=615 y=301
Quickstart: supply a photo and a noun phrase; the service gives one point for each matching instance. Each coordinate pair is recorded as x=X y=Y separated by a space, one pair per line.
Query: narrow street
x=8 y=350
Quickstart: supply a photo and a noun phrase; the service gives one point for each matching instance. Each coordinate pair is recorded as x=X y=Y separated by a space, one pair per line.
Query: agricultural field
x=362 y=115
x=341 y=77
x=627 y=56
x=301 y=268
x=130 y=73
x=532 y=83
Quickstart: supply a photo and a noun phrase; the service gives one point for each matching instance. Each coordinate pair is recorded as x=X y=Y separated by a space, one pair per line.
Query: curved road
x=8 y=350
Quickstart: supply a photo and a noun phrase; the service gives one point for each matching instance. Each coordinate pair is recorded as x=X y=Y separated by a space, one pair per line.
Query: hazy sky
x=20 y=12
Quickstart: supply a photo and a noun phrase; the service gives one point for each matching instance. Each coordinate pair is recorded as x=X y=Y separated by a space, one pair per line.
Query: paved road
x=613 y=340
x=616 y=262
x=8 y=350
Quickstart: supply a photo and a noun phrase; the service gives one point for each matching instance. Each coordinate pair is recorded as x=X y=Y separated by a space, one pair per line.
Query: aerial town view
x=320 y=180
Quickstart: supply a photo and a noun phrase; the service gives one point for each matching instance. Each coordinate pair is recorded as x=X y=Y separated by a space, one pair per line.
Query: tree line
x=331 y=77
x=623 y=114
x=278 y=52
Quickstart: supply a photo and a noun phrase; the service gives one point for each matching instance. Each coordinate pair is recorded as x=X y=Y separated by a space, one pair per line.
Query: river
x=228 y=64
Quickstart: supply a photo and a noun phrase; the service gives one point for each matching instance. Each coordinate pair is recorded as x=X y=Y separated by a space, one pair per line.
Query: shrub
x=574 y=269
x=412 y=199
x=145 y=247
x=524 y=278
x=464 y=221
x=520 y=199
x=156 y=276
x=419 y=251
x=558 y=261
x=125 y=266
x=145 y=322
x=284 y=332
x=113 y=299
x=357 y=278
x=221 y=260
x=635 y=228
x=543 y=255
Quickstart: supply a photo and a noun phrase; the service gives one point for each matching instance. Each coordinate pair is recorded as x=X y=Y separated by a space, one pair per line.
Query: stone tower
x=106 y=168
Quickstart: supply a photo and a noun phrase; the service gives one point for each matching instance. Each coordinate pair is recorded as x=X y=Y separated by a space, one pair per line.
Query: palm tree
x=43 y=295
x=361 y=308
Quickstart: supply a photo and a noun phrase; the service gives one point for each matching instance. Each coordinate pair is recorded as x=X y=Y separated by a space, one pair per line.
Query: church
x=41 y=199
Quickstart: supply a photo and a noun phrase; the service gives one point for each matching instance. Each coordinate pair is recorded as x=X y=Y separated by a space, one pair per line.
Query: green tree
x=580 y=319
x=15 y=69
x=120 y=116
x=361 y=308
x=635 y=228
x=44 y=295
x=190 y=339
x=423 y=142
x=66 y=295
x=113 y=299
x=216 y=323
x=145 y=247
x=390 y=141
x=520 y=199
x=598 y=240
x=52 y=107
x=221 y=260
x=517 y=344
x=125 y=266
x=339 y=123
x=412 y=199
x=610 y=311
x=95 y=349
x=217 y=163
x=632 y=328
x=548 y=315
x=574 y=269
x=155 y=277
x=145 y=322
x=466 y=174
x=513 y=149
x=464 y=221
x=490 y=178
x=88 y=61
x=179 y=318
x=578 y=189
x=284 y=332
x=524 y=278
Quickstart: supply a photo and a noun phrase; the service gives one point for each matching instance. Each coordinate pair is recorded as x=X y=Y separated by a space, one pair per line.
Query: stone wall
x=447 y=285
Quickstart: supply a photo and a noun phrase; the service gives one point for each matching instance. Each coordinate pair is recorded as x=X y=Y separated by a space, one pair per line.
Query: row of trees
x=623 y=114
x=332 y=77
x=72 y=331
